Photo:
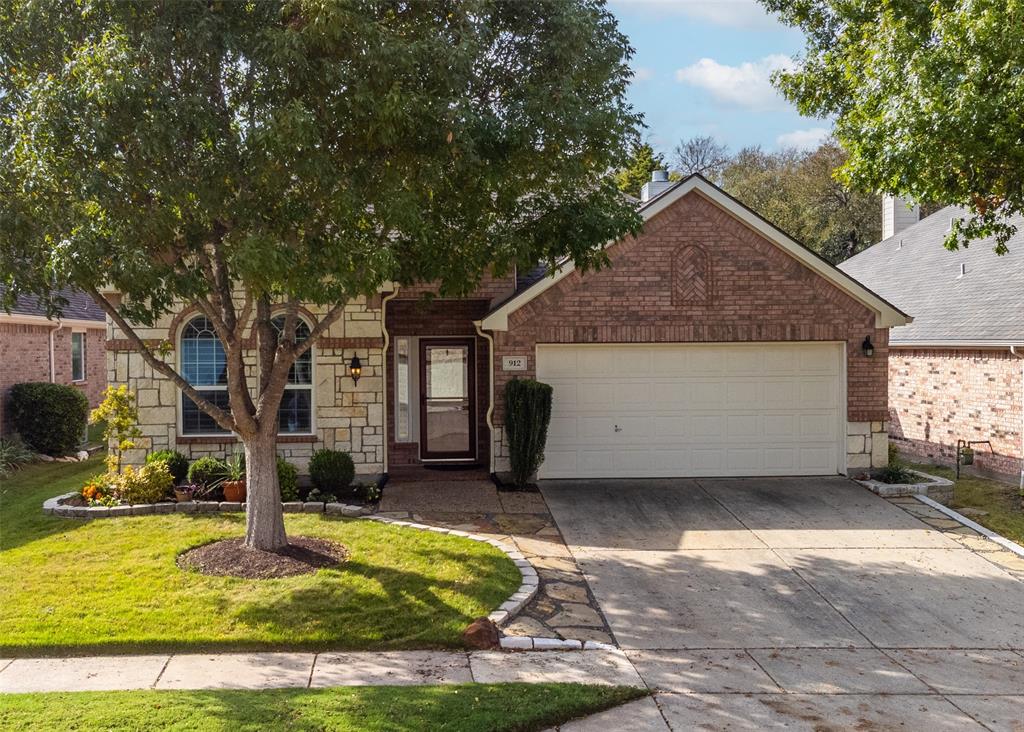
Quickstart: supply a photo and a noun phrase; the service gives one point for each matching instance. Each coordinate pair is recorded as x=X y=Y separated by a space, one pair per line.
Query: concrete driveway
x=800 y=602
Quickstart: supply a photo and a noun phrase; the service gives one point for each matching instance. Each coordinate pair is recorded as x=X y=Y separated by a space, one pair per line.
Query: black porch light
x=867 y=347
x=355 y=369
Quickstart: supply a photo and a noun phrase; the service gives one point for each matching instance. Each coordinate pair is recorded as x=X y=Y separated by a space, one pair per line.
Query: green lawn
x=465 y=708
x=1001 y=500
x=112 y=585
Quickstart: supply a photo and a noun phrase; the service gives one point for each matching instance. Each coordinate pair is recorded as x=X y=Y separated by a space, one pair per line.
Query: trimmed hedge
x=527 y=415
x=332 y=472
x=50 y=418
x=207 y=472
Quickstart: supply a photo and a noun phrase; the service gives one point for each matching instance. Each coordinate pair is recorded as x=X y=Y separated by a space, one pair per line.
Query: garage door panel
x=692 y=410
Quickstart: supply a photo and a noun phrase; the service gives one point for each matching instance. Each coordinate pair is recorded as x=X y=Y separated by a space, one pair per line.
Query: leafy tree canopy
x=927 y=97
x=798 y=192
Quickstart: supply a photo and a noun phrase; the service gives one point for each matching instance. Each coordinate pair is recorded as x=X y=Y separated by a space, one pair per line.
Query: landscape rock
x=82 y=455
x=482 y=633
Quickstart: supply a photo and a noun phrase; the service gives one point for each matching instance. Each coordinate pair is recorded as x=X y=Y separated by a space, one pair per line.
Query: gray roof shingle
x=80 y=306
x=922 y=278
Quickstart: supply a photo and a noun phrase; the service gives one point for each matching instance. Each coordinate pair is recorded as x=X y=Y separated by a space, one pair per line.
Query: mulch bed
x=231 y=558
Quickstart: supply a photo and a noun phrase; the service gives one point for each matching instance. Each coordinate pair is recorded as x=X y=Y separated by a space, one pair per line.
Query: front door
x=447 y=404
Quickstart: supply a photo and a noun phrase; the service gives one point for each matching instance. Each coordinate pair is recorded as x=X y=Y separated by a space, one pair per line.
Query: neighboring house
x=69 y=350
x=956 y=373
x=713 y=345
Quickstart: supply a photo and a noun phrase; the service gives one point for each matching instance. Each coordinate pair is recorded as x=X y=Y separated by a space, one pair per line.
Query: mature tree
x=798 y=191
x=927 y=99
x=701 y=154
x=248 y=157
x=638 y=168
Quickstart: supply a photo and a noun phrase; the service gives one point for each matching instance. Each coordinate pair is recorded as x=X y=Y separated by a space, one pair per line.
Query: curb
x=987 y=533
x=518 y=599
x=896 y=490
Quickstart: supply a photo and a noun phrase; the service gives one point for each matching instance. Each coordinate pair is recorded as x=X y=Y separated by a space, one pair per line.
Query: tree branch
x=222 y=418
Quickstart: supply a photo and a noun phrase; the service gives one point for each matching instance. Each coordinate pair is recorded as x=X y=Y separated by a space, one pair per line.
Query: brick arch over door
x=761 y=294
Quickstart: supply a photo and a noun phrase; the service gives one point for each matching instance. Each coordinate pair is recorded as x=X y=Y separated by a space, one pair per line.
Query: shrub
x=527 y=415
x=287 y=480
x=332 y=472
x=13 y=454
x=148 y=484
x=176 y=463
x=51 y=418
x=121 y=417
x=209 y=472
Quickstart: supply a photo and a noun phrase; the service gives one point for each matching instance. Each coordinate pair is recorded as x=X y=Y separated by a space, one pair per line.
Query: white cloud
x=746 y=85
x=643 y=73
x=803 y=139
x=746 y=14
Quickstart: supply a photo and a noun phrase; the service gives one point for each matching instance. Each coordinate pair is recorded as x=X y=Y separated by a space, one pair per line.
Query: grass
x=463 y=708
x=112 y=585
x=1001 y=500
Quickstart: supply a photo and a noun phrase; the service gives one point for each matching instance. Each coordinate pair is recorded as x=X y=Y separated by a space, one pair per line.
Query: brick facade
x=749 y=291
x=937 y=396
x=25 y=356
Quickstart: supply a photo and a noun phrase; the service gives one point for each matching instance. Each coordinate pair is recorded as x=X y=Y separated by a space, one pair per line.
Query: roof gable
x=886 y=315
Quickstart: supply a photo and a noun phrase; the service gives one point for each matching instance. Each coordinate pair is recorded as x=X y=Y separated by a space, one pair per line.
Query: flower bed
x=69 y=505
x=928 y=485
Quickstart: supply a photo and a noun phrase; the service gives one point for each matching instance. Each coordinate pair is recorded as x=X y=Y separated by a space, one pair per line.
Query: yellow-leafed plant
x=121 y=414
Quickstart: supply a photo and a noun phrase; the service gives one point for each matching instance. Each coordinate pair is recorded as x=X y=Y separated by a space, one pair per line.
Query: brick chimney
x=896 y=216
x=658 y=184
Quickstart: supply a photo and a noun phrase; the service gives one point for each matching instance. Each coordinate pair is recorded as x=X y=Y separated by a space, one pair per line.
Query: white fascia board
x=886 y=315
x=22 y=319
x=965 y=343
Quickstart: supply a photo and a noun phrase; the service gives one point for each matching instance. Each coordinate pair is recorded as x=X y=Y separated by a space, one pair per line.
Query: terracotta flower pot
x=182 y=496
x=234 y=491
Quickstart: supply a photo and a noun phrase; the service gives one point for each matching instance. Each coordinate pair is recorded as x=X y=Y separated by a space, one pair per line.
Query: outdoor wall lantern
x=355 y=369
x=867 y=347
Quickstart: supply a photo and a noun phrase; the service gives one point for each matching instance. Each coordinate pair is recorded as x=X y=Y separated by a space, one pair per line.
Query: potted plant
x=967 y=455
x=234 y=480
x=185 y=493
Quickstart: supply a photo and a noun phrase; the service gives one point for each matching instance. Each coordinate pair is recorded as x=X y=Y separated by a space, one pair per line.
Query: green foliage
x=641 y=163
x=332 y=472
x=527 y=415
x=207 y=472
x=13 y=455
x=150 y=483
x=120 y=414
x=926 y=98
x=287 y=480
x=797 y=191
x=176 y=463
x=50 y=418
x=234 y=467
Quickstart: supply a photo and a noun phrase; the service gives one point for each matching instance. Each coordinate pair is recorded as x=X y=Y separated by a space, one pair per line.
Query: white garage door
x=694 y=410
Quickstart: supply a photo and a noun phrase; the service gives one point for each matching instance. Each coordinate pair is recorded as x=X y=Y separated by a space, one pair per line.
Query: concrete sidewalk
x=312 y=670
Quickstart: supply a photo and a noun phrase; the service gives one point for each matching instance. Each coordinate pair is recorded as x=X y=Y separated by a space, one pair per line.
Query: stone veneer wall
x=346 y=417
x=937 y=396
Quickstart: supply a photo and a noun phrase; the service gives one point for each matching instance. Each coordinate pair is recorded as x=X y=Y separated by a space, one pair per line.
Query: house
x=957 y=372
x=69 y=350
x=713 y=345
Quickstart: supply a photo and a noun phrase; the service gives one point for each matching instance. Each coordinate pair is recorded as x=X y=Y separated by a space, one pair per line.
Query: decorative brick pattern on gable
x=939 y=396
x=761 y=294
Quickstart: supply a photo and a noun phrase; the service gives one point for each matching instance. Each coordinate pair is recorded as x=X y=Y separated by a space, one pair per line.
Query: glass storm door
x=447 y=416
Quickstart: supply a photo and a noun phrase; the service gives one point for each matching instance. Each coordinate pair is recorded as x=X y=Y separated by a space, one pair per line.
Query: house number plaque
x=513 y=363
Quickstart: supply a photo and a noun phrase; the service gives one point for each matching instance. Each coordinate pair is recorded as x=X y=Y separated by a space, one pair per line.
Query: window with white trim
x=403 y=390
x=78 y=356
x=295 y=416
x=204 y=366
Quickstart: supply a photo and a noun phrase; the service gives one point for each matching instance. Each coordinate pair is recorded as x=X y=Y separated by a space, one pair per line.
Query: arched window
x=296 y=413
x=204 y=366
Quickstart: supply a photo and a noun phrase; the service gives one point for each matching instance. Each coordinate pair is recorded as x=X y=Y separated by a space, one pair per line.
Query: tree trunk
x=264 y=519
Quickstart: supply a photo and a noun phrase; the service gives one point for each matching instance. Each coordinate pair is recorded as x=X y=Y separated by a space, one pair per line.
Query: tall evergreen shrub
x=527 y=415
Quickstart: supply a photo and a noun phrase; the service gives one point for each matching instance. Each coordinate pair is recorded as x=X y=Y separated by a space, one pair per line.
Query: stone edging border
x=960 y=518
x=894 y=490
x=506 y=611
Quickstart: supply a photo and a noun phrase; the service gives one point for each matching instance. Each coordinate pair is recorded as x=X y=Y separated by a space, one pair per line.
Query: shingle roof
x=922 y=278
x=80 y=306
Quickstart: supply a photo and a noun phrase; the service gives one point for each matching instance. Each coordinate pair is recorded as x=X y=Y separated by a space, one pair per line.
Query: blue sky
x=702 y=68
